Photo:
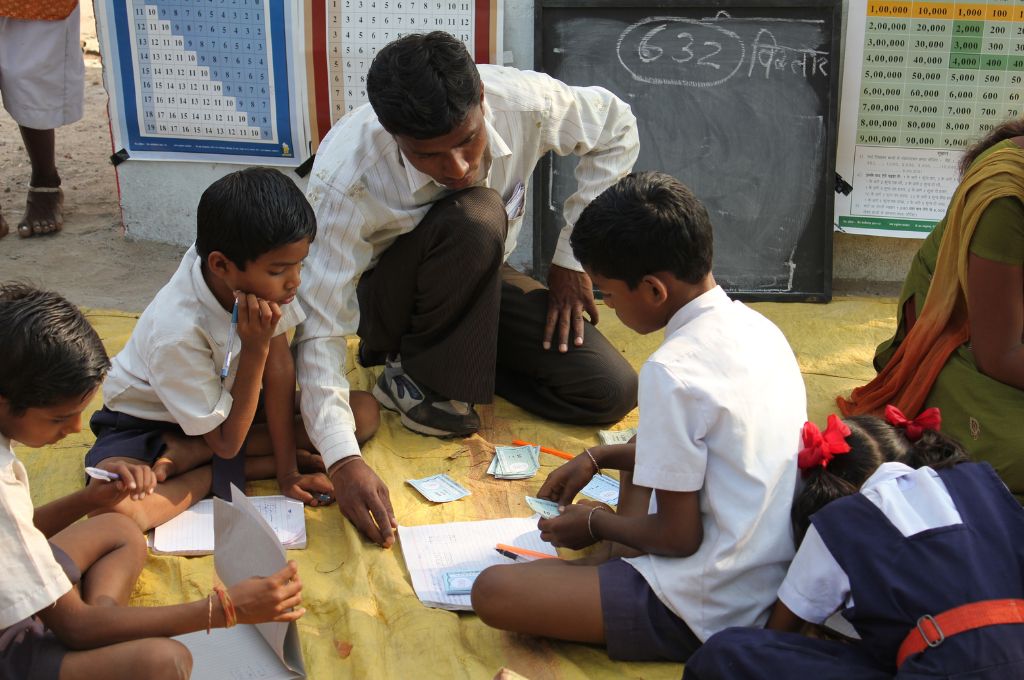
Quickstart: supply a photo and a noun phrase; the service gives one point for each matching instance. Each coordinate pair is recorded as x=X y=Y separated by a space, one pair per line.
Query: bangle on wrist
x=590 y=527
x=597 y=468
x=230 y=615
x=209 y=613
x=342 y=463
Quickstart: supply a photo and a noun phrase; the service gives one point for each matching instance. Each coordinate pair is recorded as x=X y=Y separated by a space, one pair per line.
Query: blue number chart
x=203 y=77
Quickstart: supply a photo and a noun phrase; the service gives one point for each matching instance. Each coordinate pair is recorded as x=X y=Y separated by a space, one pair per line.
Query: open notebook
x=246 y=546
x=433 y=550
x=191 y=532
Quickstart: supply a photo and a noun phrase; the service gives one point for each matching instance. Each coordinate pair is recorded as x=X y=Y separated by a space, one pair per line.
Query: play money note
x=459 y=582
x=543 y=507
x=616 y=436
x=602 y=488
x=515 y=462
x=439 y=488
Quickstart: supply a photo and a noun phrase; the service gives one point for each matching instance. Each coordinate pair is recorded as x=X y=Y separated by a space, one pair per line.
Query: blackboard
x=737 y=100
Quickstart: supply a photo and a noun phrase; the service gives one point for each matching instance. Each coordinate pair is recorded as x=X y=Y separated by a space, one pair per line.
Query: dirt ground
x=90 y=262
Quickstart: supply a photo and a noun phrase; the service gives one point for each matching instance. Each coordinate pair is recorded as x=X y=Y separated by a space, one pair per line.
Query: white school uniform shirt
x=913 y=500
x=365 y=196
x=170 y=369
x=31 y=579
x=722 y=402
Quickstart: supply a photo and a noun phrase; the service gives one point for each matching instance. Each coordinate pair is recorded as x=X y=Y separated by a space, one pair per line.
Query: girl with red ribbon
x=919 y=550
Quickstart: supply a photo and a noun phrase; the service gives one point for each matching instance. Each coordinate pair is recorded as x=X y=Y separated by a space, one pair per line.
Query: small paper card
x=460 y=582
x=616 y=436
x=543 y=507
x=602 y=488
x=439 y=488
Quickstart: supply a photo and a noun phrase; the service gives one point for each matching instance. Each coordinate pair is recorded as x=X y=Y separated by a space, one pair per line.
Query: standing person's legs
x=590 y=384
x=432 y=303
x=42 y=75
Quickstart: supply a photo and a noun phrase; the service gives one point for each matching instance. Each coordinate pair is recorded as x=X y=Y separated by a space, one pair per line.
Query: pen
x=231 y=341
x=515 y=552
x=97 y=473
x=553 y=452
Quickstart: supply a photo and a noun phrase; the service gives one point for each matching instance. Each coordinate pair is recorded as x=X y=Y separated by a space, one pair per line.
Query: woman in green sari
x=959 y=341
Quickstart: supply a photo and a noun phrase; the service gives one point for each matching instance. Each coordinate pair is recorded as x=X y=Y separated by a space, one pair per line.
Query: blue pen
x=231 y=341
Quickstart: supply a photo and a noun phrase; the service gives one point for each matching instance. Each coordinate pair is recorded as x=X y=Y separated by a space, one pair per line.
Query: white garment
x=31 y=579
x=170 y=368
x=365 y=197
x=913 y=500
x=42 y=72
x=722 y=402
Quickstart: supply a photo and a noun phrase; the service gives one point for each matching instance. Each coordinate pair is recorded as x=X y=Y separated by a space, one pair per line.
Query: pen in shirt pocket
x=232 y=330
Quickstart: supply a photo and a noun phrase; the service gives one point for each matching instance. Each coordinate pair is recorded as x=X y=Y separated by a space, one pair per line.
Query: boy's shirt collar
x=6 y=451
x=715 y=297
x=202 y=290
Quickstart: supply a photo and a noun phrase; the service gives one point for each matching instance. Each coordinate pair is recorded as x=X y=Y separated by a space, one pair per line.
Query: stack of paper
x=191 y=532
x=460 y=549
x=515 y=462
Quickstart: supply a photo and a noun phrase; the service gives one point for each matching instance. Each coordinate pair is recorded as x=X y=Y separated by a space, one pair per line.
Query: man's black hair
x=50 y=351
x=251 y=212
x=423 y=85
x=646 y=222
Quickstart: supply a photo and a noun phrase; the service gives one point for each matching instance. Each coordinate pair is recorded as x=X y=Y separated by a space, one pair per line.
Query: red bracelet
x=230 y=615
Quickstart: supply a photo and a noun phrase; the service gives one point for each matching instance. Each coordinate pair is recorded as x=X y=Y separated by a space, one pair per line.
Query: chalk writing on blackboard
x=667 y=50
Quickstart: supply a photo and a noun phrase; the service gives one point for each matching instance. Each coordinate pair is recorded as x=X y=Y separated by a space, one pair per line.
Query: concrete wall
x=861 y=263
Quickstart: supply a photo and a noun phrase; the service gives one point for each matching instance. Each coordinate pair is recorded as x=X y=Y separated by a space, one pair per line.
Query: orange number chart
x=346 y=35
x=922 y=81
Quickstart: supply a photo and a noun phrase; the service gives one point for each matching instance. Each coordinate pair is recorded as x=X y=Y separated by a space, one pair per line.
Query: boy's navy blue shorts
x=637 y=625
x=124 y=436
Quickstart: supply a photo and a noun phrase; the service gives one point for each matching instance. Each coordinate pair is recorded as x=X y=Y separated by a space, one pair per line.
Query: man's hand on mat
x=257 y=320
x=565 y=481
x=364 y=499
x=274 y=598
x=136 y=481
x=570 y=294
x=306 y=487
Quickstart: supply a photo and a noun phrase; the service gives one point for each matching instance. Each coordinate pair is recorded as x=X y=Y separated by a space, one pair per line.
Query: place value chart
x=923 y=80
x=202 y=78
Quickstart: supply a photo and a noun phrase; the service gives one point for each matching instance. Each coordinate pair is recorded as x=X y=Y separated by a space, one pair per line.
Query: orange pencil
x=553 y=452
x=514 y=551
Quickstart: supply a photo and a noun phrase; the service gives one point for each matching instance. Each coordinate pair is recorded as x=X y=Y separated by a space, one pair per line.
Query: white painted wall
x=159 y=199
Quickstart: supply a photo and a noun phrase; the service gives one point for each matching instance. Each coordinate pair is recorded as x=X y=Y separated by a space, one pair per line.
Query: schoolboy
x=721 y=406
x=70 y=593
x=178 y=396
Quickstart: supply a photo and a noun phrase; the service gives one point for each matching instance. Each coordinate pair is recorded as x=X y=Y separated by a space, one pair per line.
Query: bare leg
x=4 y=229
x=110 y=551
x=172 y=497
x=153 y=658
x=44 y=208
x=552 y=599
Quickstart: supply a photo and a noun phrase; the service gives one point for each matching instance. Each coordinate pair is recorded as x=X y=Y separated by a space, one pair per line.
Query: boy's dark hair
x=251 y=212
x=50 y=352
x=423 y=85
x=872 y=442
x=646 y=222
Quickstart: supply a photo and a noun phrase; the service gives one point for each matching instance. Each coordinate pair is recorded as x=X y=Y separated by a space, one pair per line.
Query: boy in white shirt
x=180 y=398
x=702 y=535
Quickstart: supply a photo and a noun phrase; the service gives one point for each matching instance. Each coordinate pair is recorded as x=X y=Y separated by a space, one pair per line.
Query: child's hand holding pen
x=257 y=320
x=116 y=481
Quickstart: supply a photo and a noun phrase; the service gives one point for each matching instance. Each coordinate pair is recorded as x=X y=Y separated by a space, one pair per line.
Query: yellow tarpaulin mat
x=364 y=620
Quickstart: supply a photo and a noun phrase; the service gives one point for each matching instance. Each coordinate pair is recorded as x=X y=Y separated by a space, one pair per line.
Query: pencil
x=515 y=552
x=232 y=330
x=553 y=452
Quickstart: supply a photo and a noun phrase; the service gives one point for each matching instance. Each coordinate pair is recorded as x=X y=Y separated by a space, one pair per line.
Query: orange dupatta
x=943 y=324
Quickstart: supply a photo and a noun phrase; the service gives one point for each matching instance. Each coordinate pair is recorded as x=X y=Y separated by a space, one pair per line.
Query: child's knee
x=366 y=412
x=488 y=594
x=132 y=511
x=166 y=660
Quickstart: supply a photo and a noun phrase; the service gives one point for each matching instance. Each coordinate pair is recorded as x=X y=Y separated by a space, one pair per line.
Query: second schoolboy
x=702 y=537
x=179 y=395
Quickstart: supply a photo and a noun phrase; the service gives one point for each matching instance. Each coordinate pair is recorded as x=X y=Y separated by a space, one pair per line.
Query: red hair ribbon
x=929 y=419
x=820 y=447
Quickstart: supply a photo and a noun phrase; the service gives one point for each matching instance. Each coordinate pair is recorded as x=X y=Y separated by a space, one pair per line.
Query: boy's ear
x=655 y=288
x=219 y=264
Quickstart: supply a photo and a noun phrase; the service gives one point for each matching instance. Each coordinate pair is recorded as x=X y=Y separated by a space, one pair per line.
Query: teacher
x=419 y=199
x=960 y=321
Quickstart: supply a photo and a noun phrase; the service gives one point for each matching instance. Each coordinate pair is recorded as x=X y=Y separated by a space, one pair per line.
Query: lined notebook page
x=433 y=549
x=238 y=653
x=191 y=532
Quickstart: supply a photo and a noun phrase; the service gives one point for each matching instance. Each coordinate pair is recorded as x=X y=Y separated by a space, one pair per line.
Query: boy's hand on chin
x=257 y=320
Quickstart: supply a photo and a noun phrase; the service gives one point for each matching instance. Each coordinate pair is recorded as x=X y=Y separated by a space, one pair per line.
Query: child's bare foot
x=44 y=212
x=181 y=455
x=308 y=462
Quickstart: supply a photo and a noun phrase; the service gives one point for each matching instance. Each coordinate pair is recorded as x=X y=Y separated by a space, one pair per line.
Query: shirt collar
x=202 y=291
x=423 y=187
x=716 y=297
x=6 y=452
